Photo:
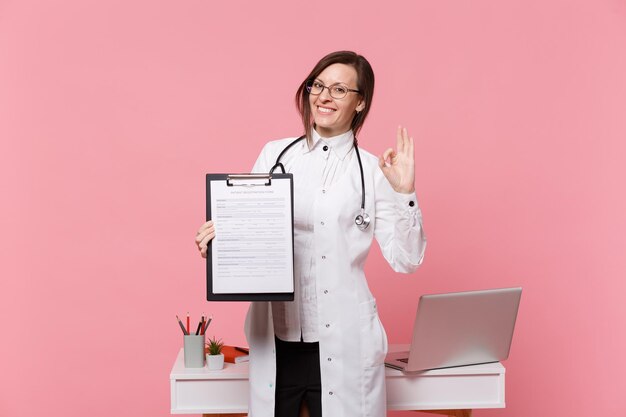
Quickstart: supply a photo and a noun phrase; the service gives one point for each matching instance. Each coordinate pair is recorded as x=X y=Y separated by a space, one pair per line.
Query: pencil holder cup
x=194 y=351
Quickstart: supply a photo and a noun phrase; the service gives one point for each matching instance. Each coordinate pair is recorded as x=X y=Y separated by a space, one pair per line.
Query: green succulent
x=215 y=346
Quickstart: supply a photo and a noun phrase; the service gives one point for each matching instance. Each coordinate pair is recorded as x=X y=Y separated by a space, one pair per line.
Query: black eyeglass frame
x=309 y=86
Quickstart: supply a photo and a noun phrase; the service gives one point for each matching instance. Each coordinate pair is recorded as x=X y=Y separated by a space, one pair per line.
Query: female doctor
x=324 y=352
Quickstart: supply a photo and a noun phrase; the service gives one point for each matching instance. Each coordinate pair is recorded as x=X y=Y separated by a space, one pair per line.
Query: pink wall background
x=112 y=112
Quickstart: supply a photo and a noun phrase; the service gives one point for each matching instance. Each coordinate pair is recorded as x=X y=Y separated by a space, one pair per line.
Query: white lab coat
x=352 y=341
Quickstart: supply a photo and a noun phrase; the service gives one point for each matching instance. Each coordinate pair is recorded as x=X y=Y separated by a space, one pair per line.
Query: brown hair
x=365 y=84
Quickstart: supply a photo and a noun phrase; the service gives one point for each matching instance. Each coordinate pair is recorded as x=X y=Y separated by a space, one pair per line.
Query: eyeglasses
x=337 y=91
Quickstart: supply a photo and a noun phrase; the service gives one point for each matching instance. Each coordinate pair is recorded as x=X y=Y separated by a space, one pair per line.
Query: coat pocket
x=372 y=334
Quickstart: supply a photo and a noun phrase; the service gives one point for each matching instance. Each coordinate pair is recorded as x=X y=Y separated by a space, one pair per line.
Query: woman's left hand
x=399 y=165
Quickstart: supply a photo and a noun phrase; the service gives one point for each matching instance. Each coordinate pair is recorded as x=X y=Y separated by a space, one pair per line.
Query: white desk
x=452 y=391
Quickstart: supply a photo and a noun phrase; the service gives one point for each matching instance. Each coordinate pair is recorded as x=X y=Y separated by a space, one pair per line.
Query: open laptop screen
x=463 y=328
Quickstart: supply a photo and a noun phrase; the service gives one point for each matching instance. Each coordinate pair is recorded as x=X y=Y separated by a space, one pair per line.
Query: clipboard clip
x=248 y=180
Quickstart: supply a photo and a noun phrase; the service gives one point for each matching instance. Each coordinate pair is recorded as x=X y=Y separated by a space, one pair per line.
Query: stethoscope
x=362 y=220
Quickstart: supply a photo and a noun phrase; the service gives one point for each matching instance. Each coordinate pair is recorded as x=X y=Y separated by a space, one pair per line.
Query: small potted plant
x=215 y=357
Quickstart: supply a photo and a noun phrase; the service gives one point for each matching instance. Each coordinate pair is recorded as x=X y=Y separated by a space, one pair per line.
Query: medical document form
x=251 y=256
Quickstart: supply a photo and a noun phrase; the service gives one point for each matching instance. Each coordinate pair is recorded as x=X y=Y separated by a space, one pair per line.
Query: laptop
x=463 y=328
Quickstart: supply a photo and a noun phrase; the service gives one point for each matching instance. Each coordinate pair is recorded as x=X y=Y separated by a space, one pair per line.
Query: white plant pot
x=216 y=362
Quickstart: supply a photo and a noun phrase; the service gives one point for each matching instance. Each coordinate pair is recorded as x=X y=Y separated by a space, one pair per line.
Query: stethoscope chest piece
x=362 y=220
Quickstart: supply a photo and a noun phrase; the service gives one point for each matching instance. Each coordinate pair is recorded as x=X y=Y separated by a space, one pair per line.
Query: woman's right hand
x=206 y=232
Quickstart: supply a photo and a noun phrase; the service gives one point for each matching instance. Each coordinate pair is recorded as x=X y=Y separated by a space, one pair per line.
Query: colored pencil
x=181 y=326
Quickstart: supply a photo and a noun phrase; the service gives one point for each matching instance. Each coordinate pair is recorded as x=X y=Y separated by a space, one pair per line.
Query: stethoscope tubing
x=362 y=220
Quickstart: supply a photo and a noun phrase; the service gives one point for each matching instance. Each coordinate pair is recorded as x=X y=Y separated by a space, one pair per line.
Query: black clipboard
x=246 y=180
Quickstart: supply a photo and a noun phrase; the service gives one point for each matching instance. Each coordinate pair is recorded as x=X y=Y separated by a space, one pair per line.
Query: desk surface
x=200 y=391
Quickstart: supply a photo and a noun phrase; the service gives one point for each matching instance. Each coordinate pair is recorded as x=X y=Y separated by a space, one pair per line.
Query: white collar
x=340 y=144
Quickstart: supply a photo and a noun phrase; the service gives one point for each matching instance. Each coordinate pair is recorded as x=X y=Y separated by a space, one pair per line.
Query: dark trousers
x=297 y=378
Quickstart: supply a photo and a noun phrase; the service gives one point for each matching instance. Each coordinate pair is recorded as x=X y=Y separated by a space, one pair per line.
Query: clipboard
x=253 y=215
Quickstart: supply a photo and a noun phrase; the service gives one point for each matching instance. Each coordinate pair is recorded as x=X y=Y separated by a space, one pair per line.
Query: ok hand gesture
x=399 y=165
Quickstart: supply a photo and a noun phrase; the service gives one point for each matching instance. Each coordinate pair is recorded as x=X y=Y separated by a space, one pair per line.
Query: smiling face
x=333 y=116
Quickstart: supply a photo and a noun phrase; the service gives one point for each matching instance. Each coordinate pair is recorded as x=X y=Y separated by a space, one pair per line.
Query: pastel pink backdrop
x=112 y=112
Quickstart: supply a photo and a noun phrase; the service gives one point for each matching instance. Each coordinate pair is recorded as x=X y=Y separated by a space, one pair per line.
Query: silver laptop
x=463 y=328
